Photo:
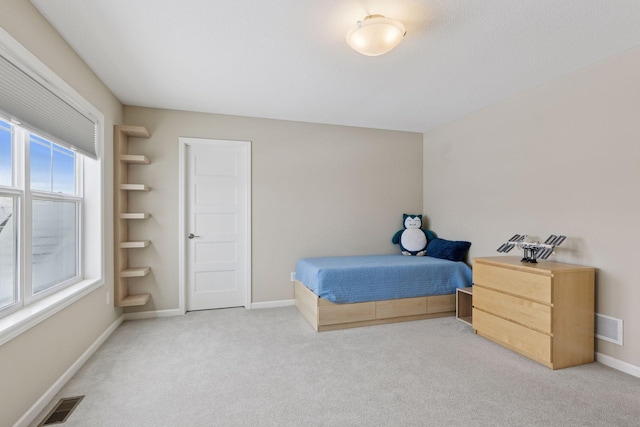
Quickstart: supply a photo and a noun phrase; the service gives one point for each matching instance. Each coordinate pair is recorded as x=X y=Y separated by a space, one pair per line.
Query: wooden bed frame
x=324 y=315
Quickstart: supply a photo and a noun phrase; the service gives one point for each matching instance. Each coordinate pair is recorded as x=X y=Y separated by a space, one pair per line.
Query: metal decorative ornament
x=532 y=250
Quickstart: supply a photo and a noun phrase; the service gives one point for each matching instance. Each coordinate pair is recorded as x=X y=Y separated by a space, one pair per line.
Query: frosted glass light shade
x=375 y=35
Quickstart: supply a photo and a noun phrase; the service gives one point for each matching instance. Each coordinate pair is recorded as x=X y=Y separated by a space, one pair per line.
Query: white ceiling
x=287 y=59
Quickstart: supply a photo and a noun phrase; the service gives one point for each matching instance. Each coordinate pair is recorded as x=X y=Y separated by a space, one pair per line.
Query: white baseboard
x=177 y=312
x=46 y=398
x=274 y=304
x=625 y=367
x=153 y=314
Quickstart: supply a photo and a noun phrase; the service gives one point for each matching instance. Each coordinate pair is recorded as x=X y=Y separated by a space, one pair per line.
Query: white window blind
x=38 y=108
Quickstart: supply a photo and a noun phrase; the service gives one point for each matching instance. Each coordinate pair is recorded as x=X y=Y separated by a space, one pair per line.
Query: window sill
x=29 y=316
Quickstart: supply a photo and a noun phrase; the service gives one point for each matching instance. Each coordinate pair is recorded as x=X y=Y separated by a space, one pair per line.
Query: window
x=45 y=179
x=51 y=192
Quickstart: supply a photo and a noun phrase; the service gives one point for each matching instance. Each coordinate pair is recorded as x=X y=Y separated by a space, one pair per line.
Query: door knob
x=191 y=236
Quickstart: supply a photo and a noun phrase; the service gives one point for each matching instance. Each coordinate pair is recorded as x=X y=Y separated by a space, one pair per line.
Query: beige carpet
x=269 y=368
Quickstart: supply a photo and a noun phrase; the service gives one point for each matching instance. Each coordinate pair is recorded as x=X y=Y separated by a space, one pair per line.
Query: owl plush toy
x=413 y=239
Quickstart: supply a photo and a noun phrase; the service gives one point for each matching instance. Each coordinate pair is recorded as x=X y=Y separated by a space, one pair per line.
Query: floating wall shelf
x=132 y=215
x=134 y=187
x=135 y=272
x=136 y=159
x=134 y=245
x=134 y=300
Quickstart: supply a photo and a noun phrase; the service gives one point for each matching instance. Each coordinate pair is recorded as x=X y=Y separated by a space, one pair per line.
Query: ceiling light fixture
x=375 y=35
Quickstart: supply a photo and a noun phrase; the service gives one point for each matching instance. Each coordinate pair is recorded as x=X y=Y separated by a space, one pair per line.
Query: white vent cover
x=608 y=328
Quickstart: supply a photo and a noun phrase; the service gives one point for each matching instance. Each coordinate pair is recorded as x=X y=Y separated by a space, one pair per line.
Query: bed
x=344 y=292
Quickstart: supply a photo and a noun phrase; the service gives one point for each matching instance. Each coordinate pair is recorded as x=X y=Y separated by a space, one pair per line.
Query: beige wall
x=564 y=159
x=30 y=363
x=317 y=190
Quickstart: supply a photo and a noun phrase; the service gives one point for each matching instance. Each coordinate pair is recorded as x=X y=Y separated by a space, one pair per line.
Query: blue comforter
x=351 y=279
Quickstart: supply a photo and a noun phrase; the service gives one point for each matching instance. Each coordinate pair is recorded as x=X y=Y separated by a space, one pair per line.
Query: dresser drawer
x=525 y=312
x=528 y=285
x=529 y=343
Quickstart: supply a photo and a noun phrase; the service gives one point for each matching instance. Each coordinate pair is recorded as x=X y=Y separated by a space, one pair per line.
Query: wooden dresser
x=544 y=311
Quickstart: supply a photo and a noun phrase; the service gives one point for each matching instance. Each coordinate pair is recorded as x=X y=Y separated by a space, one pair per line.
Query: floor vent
x=61 y=412
x=609 y=328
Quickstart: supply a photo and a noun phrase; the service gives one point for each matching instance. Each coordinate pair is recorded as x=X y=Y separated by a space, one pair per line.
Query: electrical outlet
x=293 y=276
x=108 y=298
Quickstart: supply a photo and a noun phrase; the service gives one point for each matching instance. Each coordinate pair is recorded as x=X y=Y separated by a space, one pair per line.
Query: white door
x=217 y=223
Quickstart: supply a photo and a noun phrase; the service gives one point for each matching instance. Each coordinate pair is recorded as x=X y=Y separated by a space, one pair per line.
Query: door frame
x=182 y=214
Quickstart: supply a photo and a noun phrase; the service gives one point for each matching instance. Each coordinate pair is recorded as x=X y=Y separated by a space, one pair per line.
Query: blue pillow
x=447 y=249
